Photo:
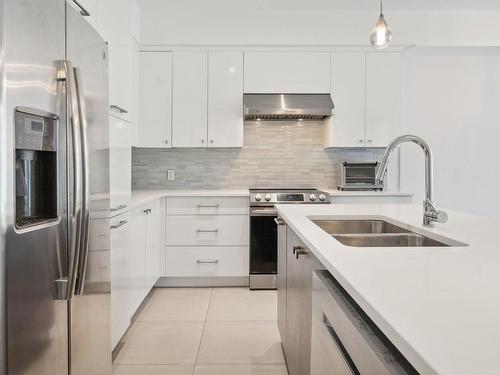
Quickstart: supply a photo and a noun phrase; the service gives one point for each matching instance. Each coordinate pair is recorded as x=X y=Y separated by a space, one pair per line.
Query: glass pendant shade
x=381 y=34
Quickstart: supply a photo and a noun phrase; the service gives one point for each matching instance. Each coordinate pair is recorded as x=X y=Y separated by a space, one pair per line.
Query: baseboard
x=208 y=282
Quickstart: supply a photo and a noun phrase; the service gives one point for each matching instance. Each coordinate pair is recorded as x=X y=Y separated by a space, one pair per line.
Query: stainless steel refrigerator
x=54 y=191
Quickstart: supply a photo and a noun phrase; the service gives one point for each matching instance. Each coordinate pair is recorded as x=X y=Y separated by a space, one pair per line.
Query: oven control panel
x=264 y=197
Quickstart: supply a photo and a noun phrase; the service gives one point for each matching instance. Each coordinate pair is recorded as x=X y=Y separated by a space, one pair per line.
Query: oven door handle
x=263 y=212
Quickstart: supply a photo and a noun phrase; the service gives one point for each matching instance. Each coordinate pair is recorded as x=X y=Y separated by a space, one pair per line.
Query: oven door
x=263 y=248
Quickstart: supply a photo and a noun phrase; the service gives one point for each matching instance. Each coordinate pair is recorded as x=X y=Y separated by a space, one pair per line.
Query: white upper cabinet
x=118 y=20
x=366 y=91
x=121 y=69
x=383 y=98
x=154 y=127
x=189 y=99
x=287 y=72
x=225 y=99
x=348 y=94
x=90 y=6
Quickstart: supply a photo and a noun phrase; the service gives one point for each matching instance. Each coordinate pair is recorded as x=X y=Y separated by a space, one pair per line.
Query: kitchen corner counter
x=438 y=306
x=140 y=197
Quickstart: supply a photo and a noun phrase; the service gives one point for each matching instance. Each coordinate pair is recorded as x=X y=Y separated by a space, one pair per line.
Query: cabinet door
x=154 y=246
x=189 y=124
x=281 y=279
x=115 y=20
x=120 y=301
x=348 y=94
x=287 y=72
x=155 y=100
x=293 y=305
x=90 y=6
x=225 y=99
x=136 y=259
x=120 y=163
x=120 y=82
x=383 y=98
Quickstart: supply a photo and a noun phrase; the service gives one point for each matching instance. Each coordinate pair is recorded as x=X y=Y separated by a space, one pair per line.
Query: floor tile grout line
x=203 y=330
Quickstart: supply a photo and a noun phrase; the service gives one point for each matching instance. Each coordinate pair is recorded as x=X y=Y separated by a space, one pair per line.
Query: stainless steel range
x=263 y=229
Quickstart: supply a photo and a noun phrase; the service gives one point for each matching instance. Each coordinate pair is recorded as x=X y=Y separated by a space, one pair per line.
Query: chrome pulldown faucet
x=431 y=213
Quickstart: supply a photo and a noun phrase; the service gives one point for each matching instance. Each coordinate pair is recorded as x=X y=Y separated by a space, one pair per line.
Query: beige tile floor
x=204 y=331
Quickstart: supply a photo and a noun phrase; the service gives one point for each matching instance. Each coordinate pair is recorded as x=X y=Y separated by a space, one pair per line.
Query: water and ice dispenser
x=36 y=168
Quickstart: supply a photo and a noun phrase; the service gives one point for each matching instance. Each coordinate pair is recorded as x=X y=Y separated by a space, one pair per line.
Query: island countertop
x=440 y=306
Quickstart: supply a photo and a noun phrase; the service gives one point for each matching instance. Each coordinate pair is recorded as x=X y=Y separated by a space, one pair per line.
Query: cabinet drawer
x=207 y=261
x=207 y=206
x=99 y=234
x=207 y=230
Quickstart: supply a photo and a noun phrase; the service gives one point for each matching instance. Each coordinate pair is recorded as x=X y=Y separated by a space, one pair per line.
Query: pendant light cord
x=381 y=12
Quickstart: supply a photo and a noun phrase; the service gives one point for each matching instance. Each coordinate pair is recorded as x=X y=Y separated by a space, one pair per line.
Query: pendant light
x=381 y=34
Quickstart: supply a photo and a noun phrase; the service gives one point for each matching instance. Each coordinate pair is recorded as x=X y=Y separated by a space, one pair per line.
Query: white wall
x=220 y=26
x=451 y=98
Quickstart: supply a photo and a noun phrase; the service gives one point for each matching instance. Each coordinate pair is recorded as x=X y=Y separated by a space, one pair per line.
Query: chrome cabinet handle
x=279 y=221
x=297 y=248
x=85 y=231
x=147 y=211
x=198 y=261
x=208 y=206
x=207 y=230
x=117 y=108
x=83 y=11
x=300 y=252
x=120 y=224
x=118 y=208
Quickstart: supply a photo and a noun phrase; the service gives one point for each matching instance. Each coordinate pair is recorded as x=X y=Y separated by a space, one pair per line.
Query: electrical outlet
x=171 y=174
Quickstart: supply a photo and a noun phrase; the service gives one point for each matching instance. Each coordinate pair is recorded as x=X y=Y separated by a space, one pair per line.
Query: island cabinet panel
x=300 y=264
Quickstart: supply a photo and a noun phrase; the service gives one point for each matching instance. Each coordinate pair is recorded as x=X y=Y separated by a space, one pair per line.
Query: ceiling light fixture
x=381 y=34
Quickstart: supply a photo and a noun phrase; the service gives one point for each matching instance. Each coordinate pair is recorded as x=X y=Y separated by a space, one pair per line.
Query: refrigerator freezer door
x=37 y=322
x=90 y=329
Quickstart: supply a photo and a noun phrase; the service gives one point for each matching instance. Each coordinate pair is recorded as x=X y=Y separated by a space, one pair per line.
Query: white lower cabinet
x=195 y=261
x=136 y=262
x=211 y=243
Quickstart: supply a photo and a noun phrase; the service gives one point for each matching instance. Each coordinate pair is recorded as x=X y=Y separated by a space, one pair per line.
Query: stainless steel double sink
x=375 y=233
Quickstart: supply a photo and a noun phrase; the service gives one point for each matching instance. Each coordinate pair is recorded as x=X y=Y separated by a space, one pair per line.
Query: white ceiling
x=315 y=5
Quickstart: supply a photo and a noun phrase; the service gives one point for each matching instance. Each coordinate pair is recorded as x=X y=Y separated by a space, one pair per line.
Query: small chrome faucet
x=431 y=213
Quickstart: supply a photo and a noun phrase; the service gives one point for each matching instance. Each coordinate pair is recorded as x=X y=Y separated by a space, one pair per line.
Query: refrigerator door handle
x=85 y=224
x=75 y=191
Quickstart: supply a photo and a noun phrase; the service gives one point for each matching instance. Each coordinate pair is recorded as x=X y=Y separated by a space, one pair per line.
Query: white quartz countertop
x=344 y=193
x=440 y=306
x=140 y=197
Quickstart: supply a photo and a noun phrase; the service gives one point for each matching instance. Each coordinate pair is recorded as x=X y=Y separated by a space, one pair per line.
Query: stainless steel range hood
x=282 y=107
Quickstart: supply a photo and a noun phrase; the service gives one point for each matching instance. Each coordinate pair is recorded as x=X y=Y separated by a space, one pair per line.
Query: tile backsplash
x=279 y=155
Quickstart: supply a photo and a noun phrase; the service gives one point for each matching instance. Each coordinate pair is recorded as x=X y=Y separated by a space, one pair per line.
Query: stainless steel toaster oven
x=358 y=176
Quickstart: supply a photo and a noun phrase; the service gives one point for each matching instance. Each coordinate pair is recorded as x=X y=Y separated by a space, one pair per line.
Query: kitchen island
x=438 y=306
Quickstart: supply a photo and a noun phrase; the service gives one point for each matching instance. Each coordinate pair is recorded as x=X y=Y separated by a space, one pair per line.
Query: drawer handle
x=118 y=208
x=279 y=221
x=207 y=230
x=121 y=223
x=297 y=248
x=208 y=206
x=300 y=252
x=117 y=108
x=198 y=261
x=341 y=348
